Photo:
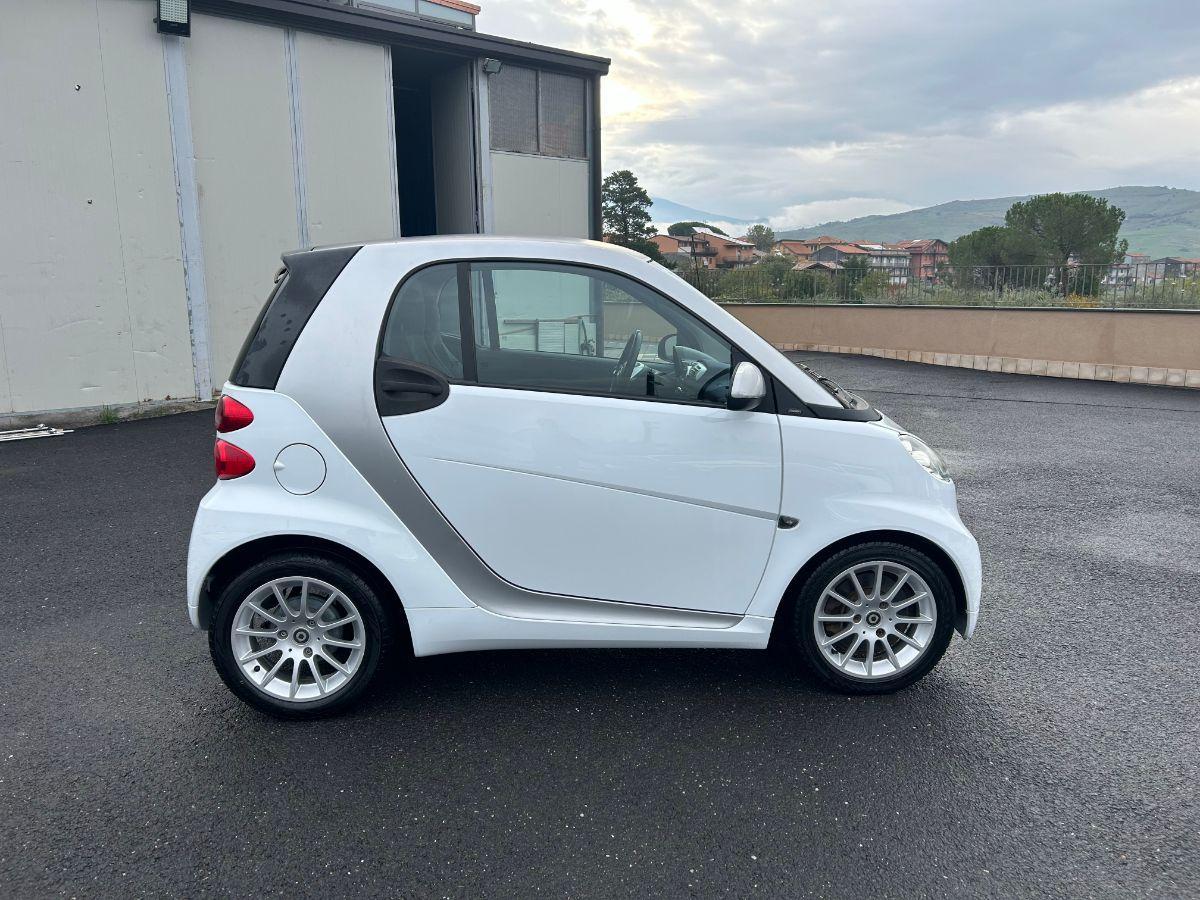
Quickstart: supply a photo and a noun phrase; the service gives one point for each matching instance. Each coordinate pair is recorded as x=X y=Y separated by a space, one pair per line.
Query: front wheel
x=873 y=618
x=298 y=635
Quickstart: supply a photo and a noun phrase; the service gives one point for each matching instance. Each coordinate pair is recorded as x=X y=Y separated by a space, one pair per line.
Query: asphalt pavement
x=1055 y=754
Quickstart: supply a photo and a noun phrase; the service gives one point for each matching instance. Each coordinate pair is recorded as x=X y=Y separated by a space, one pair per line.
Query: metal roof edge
x=381 y=27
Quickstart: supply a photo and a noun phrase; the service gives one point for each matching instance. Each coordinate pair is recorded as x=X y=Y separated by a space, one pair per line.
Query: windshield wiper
x=843 y=396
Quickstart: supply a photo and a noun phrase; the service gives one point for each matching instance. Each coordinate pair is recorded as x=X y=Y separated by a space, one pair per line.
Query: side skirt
x=455 y=630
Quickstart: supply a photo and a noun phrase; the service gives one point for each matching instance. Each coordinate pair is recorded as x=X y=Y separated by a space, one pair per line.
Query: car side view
x=435 y=445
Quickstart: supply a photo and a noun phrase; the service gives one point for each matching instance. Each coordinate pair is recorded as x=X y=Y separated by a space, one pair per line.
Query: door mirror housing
x=666 y=347
x=748 y=386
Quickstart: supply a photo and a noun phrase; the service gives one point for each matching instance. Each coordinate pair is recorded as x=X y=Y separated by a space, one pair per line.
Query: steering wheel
x=627 y=364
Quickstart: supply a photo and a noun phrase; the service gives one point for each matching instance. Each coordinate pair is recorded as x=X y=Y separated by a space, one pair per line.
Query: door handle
x=396 y=386
x=403 y=387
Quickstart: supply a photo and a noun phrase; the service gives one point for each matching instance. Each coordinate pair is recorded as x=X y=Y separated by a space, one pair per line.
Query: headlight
x=925 y=455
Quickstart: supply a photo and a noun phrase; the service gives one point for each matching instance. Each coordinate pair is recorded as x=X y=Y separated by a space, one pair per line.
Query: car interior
x=553 y=327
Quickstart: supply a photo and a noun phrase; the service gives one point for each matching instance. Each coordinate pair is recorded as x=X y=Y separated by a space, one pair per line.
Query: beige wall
x=242 y=129
x=92 y=306
x=540 y=196
x=346 y=103
x=1146 y=339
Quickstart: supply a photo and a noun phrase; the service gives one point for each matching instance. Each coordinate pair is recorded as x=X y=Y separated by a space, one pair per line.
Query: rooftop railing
x=1088 y=286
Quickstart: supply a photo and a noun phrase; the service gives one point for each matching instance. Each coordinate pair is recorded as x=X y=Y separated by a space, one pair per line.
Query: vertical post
x=394 y=171
x=597 y=224
x=187 y=198
x=299 y=166
x=483 y=127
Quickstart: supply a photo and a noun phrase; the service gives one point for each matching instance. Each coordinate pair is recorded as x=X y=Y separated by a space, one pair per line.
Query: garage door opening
x=435 y=143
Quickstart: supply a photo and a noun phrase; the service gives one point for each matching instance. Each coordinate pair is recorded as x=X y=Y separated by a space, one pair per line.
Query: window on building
x=538 y=112
x=424 y=8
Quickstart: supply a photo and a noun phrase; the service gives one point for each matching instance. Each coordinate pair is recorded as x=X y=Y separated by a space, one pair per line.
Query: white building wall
x=92 y=309
x=346 y=101
x=292 y=143
x=539 y=196
x=258 y=199
x=241 y=133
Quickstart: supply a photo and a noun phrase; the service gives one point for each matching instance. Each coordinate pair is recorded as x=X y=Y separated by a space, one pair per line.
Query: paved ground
x=1055 y=754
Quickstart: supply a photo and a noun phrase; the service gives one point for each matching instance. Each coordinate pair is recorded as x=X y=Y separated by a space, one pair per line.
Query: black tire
x=376 y=624
x=803 y=639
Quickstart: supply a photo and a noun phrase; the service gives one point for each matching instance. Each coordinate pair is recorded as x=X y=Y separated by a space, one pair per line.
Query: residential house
x=825 y=240
x=731 y=253
x=1174 y=267
x=890 y=260
x=838 y=253
x=691 y=250
x=798 y=250
x=675 y=249
x=709 y=250
x=925 y=257
x=811 y=265
x=1134 y=268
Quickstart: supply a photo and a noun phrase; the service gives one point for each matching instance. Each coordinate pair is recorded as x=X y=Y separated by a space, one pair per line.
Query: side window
x=423 y=323
x=569 y=328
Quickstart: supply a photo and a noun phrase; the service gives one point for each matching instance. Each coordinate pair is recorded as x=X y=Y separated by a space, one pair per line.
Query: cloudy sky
x=805 y=110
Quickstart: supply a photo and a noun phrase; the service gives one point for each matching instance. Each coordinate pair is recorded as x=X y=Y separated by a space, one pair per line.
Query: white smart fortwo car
x=469 y=443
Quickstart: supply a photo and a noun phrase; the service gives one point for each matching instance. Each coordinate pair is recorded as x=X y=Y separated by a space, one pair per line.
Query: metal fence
x=1142 y=286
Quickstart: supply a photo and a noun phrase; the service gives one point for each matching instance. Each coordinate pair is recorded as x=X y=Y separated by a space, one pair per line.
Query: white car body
x=537 y=492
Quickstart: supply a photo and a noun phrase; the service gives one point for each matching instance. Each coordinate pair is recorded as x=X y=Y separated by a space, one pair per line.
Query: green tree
x=854 y=276
x=761 y=237
x=989 y=254
x=772 y=272
x=1063 y=226
x=683 y=229
x=983 y=246
x=802 y=285
x=626 y=208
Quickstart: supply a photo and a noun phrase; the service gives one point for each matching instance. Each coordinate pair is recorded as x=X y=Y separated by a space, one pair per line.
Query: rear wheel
x=298 y=635
x=873 y=618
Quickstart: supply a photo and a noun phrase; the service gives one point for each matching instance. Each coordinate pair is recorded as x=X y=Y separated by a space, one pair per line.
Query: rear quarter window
x=307 y=277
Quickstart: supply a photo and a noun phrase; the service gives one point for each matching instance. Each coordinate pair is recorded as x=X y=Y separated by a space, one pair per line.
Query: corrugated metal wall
x=93 y=309
x=92 y=306
x=540 y=195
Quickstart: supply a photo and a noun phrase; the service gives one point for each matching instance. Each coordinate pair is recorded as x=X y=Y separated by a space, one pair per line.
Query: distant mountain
x=668 y=211
x=1161 y=221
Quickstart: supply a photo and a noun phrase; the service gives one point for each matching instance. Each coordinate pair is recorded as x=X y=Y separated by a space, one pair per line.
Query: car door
x=640 y=487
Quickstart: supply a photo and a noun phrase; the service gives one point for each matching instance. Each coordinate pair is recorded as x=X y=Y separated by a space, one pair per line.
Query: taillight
x=231 y=461
x=232 y=415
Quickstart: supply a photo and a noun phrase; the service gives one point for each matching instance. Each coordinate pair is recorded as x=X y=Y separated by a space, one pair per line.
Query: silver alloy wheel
x=875 y=619
x=298 y=639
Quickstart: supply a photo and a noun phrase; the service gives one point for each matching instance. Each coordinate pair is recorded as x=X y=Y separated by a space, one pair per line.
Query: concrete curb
x=101 y=415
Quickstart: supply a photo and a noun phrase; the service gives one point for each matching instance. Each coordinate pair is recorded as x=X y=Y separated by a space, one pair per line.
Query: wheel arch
x=914 y=541
x=243 y=555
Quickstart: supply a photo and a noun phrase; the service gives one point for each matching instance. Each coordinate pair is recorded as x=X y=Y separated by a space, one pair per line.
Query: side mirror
x=666 y=347
x=748 y=386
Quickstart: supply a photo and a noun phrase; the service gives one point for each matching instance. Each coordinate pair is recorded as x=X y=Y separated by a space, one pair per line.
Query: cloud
x=802 y=215
x=767 y=107
x=731 y=228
